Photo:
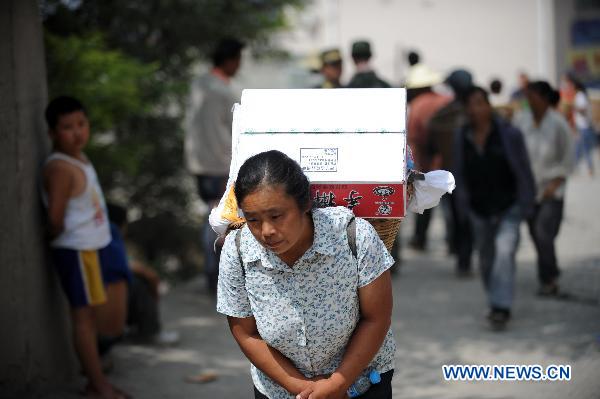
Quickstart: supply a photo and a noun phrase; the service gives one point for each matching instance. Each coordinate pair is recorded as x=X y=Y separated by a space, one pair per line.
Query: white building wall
x=492 y=38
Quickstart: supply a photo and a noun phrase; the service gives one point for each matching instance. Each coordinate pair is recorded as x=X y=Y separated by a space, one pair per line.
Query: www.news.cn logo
x=510 y=372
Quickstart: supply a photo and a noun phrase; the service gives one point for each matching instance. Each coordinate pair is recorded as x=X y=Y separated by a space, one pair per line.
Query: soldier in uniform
x=331 y=69
x=364 y=77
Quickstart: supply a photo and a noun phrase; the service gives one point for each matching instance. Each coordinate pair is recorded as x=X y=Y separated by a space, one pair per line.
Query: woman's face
x=275 y=219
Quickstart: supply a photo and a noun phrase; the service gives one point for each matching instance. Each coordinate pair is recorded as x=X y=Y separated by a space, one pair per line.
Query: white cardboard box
x=351 y=143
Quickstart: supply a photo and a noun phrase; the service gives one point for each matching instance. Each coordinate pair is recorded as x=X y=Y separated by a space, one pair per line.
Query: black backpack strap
x=238 y=240
x=351 y=233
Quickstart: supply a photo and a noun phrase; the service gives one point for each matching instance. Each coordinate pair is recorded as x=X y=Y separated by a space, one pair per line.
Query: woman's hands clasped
x=323 y=387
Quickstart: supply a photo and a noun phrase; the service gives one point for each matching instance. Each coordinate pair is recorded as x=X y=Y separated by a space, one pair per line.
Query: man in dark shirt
x=495 y=190
x=364 y=77
x=488 y=175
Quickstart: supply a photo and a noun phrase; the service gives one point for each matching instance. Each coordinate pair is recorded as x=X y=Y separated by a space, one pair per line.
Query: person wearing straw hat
x=423 y=104
x=331 y=69
x=364 y=77
x=306 y=291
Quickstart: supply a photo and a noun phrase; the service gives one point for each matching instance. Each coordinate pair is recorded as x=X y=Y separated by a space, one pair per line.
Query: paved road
x=438 y=319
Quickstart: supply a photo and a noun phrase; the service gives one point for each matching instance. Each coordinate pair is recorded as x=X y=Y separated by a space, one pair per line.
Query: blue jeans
x=585 y=146
x=496 y=239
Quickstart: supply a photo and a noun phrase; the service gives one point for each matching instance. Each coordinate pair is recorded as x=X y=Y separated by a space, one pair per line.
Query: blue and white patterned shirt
x=307 y=312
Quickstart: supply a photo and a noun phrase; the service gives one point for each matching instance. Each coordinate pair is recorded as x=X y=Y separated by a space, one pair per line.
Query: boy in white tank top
x=80 y=241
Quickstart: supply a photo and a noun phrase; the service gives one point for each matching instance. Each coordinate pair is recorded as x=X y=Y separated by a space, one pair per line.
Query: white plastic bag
x=427 y=193
x=227 y=212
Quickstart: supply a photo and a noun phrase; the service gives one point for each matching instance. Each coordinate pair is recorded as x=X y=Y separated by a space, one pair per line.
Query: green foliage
x=172 y=32
x=110 y=83
x=129 y=62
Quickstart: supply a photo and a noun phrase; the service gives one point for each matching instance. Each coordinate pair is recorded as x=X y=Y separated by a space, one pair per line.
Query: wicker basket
x=386 y=229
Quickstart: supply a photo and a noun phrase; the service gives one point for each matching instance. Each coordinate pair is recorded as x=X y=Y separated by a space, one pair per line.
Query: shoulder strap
x=351 y=233
x=66 y=158
x=238 y=240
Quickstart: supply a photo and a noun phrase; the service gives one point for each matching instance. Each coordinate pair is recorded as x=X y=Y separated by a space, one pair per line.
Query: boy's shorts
x=84 y=274
x=114 y=263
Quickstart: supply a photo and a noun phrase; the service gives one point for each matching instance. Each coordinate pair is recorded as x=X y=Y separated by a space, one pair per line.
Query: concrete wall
x=563 y=18
x=35 y=349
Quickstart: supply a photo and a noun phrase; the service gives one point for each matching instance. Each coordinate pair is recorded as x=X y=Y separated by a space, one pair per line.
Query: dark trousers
x=421 y=226
x=462 y=237
x=383 y=390
x=142 y=312
x=544 y=227
x=210 y=189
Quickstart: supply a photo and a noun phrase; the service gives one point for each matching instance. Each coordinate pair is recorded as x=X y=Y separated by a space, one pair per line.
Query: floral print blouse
x=307 y=312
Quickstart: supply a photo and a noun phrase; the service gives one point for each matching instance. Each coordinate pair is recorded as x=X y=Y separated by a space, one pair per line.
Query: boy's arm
x=58 y=182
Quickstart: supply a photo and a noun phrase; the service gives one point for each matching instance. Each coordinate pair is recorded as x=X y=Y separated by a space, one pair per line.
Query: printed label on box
x=319 y=159
x=368 y=200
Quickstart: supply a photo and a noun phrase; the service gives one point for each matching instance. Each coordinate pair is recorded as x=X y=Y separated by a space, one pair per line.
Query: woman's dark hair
x=227 y=49
x=471 y=91
x=543 y=89
x=60 y=106
x=579 y=86
x=273 y=168
x=555 y=98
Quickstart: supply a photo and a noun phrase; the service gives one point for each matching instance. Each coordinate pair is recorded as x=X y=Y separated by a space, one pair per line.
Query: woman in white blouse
x=311 y=313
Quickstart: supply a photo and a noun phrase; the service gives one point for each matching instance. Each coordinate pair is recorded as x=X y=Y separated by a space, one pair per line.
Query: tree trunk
x=35 y=344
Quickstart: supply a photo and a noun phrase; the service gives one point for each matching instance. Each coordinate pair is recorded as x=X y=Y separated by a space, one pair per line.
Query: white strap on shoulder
x=66 y=158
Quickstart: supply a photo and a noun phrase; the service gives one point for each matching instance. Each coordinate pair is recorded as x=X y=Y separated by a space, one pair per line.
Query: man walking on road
x=208 y=137
x=495 y=190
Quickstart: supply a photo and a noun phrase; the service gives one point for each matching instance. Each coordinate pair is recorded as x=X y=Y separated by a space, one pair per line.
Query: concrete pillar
x=564 y=15
x=545 y=40
x=35 y=348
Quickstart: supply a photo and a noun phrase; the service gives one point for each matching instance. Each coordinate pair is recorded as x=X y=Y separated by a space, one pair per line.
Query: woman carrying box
x=307 y=291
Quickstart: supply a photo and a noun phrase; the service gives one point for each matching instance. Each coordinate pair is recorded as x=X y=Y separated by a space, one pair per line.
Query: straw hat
x=420 y=76
x=311 y=61
x=331 y=57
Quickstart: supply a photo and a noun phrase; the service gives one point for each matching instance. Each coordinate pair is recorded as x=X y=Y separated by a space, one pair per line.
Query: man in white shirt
x=207 y=141
x=582 y=116
x=548 y=140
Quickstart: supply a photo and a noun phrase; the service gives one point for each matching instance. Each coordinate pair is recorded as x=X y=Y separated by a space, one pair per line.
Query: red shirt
x=421 y=110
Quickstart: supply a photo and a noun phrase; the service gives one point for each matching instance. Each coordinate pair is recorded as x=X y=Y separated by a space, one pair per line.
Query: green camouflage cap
x=361 y=48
